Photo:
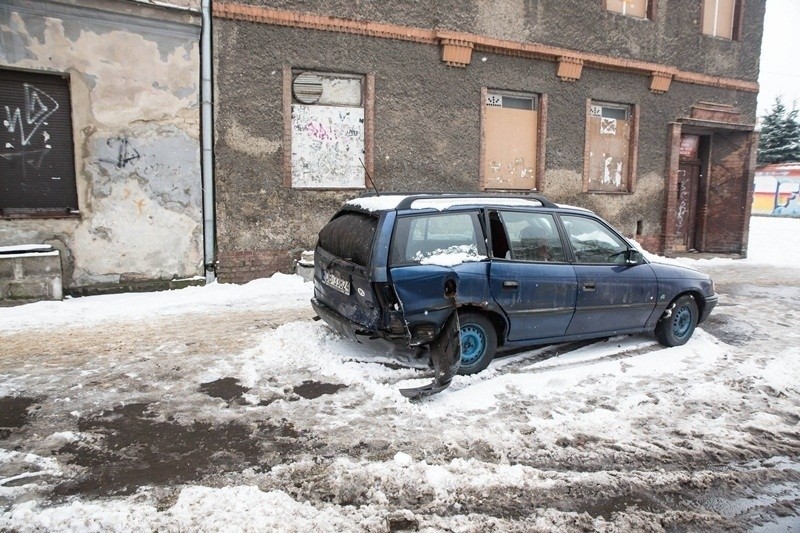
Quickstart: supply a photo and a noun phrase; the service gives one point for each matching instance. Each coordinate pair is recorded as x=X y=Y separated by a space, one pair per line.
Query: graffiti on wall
x=777 y=191
x=327 y=146
x=125 y=153
x=38 y=106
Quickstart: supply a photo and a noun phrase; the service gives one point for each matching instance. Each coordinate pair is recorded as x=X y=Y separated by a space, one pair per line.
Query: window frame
x=599 y=222
x=368 y=105
x=404 y=233
x=651 y=10
x=29 y=78
x=736 y=23
x=633 y=147
x=556 y=227
x=541 y=137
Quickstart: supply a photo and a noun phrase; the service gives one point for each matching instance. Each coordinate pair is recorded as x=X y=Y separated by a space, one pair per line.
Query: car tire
x=677 y=326
x=478 y=342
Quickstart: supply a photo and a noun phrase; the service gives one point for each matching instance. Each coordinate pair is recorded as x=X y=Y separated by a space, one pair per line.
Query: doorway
x=686 y=213
x=687 y=191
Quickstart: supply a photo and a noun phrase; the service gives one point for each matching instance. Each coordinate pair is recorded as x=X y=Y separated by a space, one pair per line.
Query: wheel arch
x=497 y=320
x=698 y=298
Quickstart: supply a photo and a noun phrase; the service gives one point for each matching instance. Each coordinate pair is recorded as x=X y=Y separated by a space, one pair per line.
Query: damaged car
x=457 y=277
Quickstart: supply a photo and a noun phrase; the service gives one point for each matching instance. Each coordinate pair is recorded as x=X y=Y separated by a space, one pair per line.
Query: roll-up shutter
x=37 y=170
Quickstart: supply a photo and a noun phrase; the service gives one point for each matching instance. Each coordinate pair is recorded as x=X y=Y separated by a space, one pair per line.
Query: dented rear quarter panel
x=421 y=290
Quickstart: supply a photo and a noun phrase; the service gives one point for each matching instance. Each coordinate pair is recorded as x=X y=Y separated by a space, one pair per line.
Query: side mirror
x=633 y=257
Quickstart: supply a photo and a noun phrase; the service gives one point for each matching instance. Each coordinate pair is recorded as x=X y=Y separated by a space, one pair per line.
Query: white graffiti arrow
x=38 y=107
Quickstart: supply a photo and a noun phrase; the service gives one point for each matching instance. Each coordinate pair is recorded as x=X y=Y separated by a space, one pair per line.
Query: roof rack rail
x=406 y=203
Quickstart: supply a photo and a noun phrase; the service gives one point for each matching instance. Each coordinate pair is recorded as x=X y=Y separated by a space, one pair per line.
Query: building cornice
x=457 y=46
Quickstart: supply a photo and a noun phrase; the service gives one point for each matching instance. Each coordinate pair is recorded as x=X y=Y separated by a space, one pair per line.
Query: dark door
x=529 y=276
x=612 y=296
x=686 y=213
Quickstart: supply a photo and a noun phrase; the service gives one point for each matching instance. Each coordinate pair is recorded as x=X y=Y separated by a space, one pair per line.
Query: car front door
x=530 y=277
x=612 y=296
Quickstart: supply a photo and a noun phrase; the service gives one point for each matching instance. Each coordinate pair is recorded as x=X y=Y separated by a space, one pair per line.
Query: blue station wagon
x=455 y=277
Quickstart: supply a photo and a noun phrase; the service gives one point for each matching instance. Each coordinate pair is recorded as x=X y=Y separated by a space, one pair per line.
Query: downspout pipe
x=207 y=141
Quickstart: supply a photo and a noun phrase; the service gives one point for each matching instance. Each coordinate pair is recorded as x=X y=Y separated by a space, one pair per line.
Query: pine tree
x=780 y=135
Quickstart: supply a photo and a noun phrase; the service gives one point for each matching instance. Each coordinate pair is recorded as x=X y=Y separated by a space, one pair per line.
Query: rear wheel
x=677 y=326
x=478 y=342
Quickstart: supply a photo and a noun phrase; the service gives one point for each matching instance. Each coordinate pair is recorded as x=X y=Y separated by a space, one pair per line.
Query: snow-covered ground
x=227 y=408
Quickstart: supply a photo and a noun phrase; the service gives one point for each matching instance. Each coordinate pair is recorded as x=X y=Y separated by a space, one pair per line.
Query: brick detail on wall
x=244 y=266
x=651 y=243
x=724 y=215
x=481 y=43
x=670 y=199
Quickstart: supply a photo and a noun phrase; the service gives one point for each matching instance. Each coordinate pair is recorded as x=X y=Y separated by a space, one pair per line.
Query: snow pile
x=617 y=435
x=278 y=292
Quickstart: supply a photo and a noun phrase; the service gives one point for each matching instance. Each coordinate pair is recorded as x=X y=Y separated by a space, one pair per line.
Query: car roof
x=445 y=201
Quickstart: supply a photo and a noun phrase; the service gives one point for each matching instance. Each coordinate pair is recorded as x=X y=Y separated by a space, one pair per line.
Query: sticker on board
x=494 y=100
x=608 y=126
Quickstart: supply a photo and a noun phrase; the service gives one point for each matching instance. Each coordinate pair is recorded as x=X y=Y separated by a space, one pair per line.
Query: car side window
x=424 y=238
x=532 y=237
x=592 y=242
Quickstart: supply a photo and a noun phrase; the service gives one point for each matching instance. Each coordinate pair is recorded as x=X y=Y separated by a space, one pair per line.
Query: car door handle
x=590 y=286
x=511 y=284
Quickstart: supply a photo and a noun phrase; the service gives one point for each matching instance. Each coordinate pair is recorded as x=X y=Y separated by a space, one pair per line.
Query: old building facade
x=100 y=150
x=641 y=110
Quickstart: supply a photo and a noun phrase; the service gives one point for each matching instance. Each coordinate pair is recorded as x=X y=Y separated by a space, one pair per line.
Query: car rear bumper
x=340 y=324
x=397 y=349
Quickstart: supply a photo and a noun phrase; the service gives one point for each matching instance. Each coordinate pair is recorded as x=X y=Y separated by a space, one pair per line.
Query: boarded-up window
x=633 y=8
x=610 y=131
x=327 y=131
x=719 y=17
x=37 y=171
x=511 y=123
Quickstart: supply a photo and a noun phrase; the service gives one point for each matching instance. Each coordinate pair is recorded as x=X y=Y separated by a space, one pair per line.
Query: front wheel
x=677 y=326
x=478 y=343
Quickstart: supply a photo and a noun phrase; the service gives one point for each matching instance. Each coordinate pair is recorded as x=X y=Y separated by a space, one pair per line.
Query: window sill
x=717 y=38
x=328 y=189
x=617 y=193
x=27 y=214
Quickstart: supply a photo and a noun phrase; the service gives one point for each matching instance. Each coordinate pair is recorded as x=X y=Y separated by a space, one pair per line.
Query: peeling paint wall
x=134 y=82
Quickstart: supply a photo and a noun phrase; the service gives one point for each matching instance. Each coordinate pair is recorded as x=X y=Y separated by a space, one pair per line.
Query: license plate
x=335 y=282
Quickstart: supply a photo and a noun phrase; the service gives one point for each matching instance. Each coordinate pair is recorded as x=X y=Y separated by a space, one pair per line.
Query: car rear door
x=430 y=252
x=530 y=277
x=612 y=295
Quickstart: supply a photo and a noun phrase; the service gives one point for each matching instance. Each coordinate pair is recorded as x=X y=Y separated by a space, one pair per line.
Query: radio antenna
x=374 y=188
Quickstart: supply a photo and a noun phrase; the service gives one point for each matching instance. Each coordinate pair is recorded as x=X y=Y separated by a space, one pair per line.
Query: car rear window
x=350 y=236
x=421 y=237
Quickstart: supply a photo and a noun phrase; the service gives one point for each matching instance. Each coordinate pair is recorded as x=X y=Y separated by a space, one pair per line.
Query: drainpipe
x=207 y=140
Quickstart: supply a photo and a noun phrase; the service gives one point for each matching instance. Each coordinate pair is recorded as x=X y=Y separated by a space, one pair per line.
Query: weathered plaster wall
x=134 y=83
x=426 y=132
x=673 y=38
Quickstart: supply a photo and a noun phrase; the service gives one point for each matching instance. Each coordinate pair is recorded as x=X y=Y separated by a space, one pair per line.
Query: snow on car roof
x=575 y=207
x=378 y=203
x=384 y=203
x=445 y=203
